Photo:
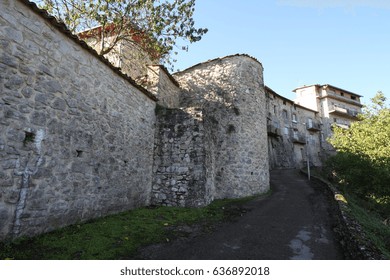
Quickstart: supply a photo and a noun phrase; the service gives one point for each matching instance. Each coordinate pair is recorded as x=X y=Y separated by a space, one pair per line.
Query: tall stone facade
x=230 y=92
x=215 y=144
x=79 y=139
x=335 y=106
x=294 y=133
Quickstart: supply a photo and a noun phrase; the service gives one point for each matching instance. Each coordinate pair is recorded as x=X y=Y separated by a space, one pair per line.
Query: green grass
x=117 y=236
x=370 y=213
x=372 y=223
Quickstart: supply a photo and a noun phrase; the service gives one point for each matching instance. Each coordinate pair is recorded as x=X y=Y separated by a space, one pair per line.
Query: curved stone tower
x=230 y=93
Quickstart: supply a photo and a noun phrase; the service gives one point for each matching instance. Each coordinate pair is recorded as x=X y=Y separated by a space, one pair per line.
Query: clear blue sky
x=345 y=43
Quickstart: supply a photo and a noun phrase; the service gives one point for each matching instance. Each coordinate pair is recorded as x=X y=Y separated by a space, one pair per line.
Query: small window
x=353 y=97
x=294 y=118
x=342 y=93
x=285 y=115
x=285 y=130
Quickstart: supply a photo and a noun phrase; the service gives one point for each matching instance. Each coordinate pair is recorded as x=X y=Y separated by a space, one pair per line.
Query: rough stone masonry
x=80 y=140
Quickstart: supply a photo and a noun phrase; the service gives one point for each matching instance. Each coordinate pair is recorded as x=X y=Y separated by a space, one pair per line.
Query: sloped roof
x=288 y=100
x=330 y=86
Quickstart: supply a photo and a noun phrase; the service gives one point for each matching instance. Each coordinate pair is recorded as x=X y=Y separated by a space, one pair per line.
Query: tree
x=155 y=25
x=363 y=158
x=369 y=136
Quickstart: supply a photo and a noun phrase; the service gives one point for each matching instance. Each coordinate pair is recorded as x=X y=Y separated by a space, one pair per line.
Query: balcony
x=298 y=138
x=343 y=112
x=333 y=95
x=313 y=126
x=273 y=130
x=342 y=125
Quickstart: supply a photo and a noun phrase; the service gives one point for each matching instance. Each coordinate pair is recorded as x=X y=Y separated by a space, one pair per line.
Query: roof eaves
x=347 y=91
x=173 y=80
x=216 y=59
x=289 y=100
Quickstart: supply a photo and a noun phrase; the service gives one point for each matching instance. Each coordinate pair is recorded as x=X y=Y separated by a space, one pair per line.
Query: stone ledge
x=354 y=241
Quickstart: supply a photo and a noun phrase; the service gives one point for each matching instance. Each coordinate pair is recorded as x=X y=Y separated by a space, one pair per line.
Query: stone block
x=59 y=104
x=51 y=86
x=13 y=114
x=14 y=82
x=44 y=98
x=11 y=196
x=38 y=118
x=13 y=34
x=27 y=92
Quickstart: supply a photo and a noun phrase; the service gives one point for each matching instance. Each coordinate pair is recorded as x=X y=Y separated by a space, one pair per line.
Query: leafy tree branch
x=155 y=25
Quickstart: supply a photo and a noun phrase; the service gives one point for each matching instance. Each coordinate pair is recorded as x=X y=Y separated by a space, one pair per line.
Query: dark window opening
x=29 y=137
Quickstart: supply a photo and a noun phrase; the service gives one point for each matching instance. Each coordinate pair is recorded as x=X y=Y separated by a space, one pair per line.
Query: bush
x=361 y=175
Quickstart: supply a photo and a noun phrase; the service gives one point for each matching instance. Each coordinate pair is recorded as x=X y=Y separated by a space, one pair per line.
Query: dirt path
x=295 y=222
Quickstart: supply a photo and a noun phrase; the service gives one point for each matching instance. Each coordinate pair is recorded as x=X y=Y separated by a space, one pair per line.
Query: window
x=310 y=122
x=285 y=130
x=294 y=118
x=342 y=93
x=285 y=115
x=275 y=109
x=353 y=97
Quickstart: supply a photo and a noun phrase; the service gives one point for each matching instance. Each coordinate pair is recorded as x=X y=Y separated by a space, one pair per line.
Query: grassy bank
x=373 y=221
x=372 y=214
x=119 y=236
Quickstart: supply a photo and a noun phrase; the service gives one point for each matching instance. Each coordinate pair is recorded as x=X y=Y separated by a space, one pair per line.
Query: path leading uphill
x=295 y=222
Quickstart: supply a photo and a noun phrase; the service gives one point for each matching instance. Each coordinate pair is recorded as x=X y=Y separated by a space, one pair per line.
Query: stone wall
x=76 y=136
x=163 y=86
x=79 y=139
x=230 y=92
x=180 y=159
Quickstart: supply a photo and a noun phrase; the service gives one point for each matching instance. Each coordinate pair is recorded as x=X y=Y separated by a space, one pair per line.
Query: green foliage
x=118 y=236
x=155 y=25
x=362 y=163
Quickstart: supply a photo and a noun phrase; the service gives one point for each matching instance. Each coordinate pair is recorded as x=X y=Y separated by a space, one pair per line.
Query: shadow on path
x=295 y=222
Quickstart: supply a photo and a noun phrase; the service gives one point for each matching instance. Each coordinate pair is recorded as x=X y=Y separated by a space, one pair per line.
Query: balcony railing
x=334 y=95
x=313 y=126
x=273 y=130
x=343 y=112
x=299 y=138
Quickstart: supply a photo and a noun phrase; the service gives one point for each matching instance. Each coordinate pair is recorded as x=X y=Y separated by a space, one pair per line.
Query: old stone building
x=294 y=137
x=80 y=139
x=126 y=54
x=334 y=105
x=298 y=130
